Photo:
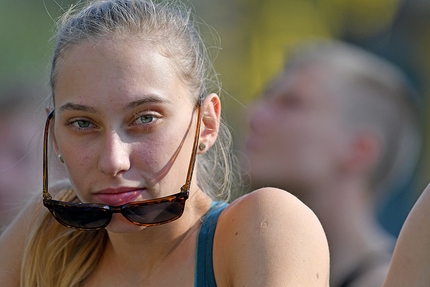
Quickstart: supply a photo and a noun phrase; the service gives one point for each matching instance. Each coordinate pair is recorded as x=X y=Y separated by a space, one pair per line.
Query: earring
x=60 y=158
x=202 y=146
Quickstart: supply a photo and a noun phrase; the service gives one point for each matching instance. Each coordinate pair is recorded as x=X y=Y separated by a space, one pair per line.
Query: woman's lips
x=117 y=197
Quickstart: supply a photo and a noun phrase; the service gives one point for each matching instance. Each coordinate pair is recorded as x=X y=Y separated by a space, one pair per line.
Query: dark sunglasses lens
x=81 y=217
x=154 y=213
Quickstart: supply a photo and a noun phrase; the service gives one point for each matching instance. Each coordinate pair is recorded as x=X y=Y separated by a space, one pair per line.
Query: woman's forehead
x=117 y=68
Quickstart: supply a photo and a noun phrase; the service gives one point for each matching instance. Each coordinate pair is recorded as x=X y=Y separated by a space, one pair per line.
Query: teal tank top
x=204 y=274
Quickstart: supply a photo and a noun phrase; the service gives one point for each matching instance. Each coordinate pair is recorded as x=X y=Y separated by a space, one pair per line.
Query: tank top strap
x=204 y=273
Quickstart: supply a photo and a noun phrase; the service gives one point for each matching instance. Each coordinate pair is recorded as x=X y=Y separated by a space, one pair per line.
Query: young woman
x=131 y=116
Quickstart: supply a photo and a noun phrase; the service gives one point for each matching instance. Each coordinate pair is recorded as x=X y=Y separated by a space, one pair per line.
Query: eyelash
x=143 y=117
x=75 y=124
x=147 y=120
x=83 y=125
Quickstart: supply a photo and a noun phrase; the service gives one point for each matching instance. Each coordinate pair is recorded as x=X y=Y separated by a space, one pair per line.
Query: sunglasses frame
x=180 y=197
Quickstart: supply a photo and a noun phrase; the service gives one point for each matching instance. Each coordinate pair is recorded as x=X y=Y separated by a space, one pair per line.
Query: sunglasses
x=94 y=216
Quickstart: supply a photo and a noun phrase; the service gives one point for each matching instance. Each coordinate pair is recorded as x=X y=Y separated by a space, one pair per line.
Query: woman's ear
x=211 y=118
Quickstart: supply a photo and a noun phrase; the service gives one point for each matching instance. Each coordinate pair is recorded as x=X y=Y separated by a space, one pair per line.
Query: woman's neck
x=142 y=254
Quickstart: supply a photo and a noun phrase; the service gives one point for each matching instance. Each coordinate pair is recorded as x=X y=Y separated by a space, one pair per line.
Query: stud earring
x=60 y=158
x=202 y=146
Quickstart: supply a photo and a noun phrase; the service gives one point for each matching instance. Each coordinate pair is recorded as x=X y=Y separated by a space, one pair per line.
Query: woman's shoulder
x=266 y=197
x=271 y=233
x=271 y=204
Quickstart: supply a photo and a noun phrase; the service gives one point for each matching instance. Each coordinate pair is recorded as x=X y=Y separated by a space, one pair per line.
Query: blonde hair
x=59 y=256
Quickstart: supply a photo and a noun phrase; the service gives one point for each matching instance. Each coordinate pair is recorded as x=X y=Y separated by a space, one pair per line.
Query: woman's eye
x=145 y=119
x=82 y=124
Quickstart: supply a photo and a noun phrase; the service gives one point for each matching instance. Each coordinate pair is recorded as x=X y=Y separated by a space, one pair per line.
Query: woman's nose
x=114 y=157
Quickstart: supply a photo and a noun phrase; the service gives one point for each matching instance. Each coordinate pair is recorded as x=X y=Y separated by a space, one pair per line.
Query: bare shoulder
x=13 y=239
x=275 y=205
x=271 y=234
x=410 y=265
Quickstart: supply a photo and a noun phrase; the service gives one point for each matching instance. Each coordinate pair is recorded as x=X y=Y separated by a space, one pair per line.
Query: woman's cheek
x=80 y=165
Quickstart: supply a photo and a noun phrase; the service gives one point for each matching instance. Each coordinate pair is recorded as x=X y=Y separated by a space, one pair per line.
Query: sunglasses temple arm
x=46 y=195
x=186 y=187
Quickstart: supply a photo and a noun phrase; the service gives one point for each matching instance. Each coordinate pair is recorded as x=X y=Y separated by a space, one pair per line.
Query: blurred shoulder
x=410 y=264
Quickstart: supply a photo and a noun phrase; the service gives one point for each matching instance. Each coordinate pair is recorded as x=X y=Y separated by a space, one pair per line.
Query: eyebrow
x=77 y=107
x=149 y=99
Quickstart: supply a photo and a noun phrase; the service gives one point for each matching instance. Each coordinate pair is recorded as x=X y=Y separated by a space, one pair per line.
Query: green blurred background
x=254 y=36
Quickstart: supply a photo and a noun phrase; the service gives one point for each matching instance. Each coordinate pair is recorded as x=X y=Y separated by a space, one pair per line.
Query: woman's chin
x=119 y=224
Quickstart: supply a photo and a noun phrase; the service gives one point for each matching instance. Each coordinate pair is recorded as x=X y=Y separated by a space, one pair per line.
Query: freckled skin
x=118 y=145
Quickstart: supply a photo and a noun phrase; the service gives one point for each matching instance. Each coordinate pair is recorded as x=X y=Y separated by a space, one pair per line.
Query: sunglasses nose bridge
x=116 y=209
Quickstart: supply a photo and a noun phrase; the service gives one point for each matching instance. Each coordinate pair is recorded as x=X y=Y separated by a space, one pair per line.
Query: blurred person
x=20 y=149
x=336 y=128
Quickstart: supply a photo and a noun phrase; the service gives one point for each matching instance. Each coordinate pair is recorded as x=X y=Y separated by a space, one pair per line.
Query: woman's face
x=124 y=123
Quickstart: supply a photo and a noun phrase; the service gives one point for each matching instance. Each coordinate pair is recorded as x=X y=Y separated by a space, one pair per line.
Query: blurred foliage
x=282 y=24
x=25 y=29
x=256 y=34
